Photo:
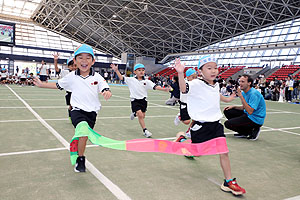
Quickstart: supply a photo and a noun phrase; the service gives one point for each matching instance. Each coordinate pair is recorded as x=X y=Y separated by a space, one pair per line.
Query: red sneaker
x=181 y=138
x=232 y=187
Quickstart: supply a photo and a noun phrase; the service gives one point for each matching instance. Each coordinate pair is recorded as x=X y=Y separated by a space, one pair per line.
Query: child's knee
x=140 y=114
x=186 y=122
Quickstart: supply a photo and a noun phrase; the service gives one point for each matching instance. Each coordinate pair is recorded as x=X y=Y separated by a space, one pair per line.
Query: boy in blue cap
x=85 y=85
x=203 y=99
x=71 y=67
x=183 y=115
x=138 y=87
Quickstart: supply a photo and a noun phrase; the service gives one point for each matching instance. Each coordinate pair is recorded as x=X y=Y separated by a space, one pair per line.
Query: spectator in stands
x=157 y=80
x=277 y=82
x=223 y=90
x=23 y=78
x=256 y=81
x=231 y=81
x=272 y=82
x=275 y=93
x=17 y=69
x=229 y=88
x=4 y=76
x=288 y=89
x=246 y=119
x=169 y=81
x=268 y=93
x=106 y=76
x=262 y=84
x=175 y=93
x=295 y=86
x=281 y=93
x=258 y=89
x=43 y=72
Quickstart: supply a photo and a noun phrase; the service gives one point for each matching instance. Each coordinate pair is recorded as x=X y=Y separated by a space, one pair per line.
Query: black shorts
x=78 y=116
x=3 y=79
x=202 y=132
x=184 y=115
x=68 y=98
x=43 y=77
x=23 y=79
x=139 y=104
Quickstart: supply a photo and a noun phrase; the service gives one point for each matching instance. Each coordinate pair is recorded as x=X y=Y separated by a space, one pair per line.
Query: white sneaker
x=147 y=134
x=177 y=120
x=132 y=116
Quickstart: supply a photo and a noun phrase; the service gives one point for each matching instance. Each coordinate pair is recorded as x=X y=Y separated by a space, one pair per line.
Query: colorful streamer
x=211 y=147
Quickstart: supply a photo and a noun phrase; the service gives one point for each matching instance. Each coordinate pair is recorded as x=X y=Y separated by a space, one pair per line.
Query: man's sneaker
x=132 y=116
x=177 y=120
x=80 y=164
x=232 y=187
x=255 y=134
x=147 y=133
x=239 y=135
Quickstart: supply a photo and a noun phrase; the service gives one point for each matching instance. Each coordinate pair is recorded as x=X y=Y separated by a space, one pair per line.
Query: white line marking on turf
x=293 y=198
x=66 y=119
x=149 y=101
x=282 y=130
x=103 y=179
x=32 y=151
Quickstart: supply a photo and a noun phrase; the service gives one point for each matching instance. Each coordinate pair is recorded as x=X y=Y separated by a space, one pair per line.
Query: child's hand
x=55 y=55
x=170 y=89
x=37 y=82
x=178 y=66
x=106 y=94
x=114 y=67
x=228 y=107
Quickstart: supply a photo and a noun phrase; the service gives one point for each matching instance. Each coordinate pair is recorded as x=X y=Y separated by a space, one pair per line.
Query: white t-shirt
x=4 y=74
x=138 y=89
x=84 y=90
x=183 y=97
x=203 y=101
x=43 y=70
x=64 y=72
x=23 y=75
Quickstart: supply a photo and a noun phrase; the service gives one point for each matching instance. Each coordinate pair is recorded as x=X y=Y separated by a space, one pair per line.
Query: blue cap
x=69 y=60
x=84 y=49
x=206 y=59
x=190 y=72
x=138 y=66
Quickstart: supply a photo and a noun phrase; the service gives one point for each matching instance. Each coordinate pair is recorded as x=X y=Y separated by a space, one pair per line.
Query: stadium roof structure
x=156 y=28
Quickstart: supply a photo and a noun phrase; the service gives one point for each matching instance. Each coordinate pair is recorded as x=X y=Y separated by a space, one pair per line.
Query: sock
x=227 y=181
x=144 y=129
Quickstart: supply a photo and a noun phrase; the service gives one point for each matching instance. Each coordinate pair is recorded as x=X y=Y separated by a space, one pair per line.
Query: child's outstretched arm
x=180 y=69
x=106 y=94
x=41 y=84
x=55 y=56
x=227 y=99
x=115 y=68
x=166 y=89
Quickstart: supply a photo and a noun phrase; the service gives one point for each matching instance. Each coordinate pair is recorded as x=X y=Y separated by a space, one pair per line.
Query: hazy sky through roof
x=19 y=8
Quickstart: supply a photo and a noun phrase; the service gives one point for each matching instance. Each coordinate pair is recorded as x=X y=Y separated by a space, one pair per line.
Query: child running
x=203 y=100
x=183 y=115
x=138 y=87
x=71 y=67
x=85 y=85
